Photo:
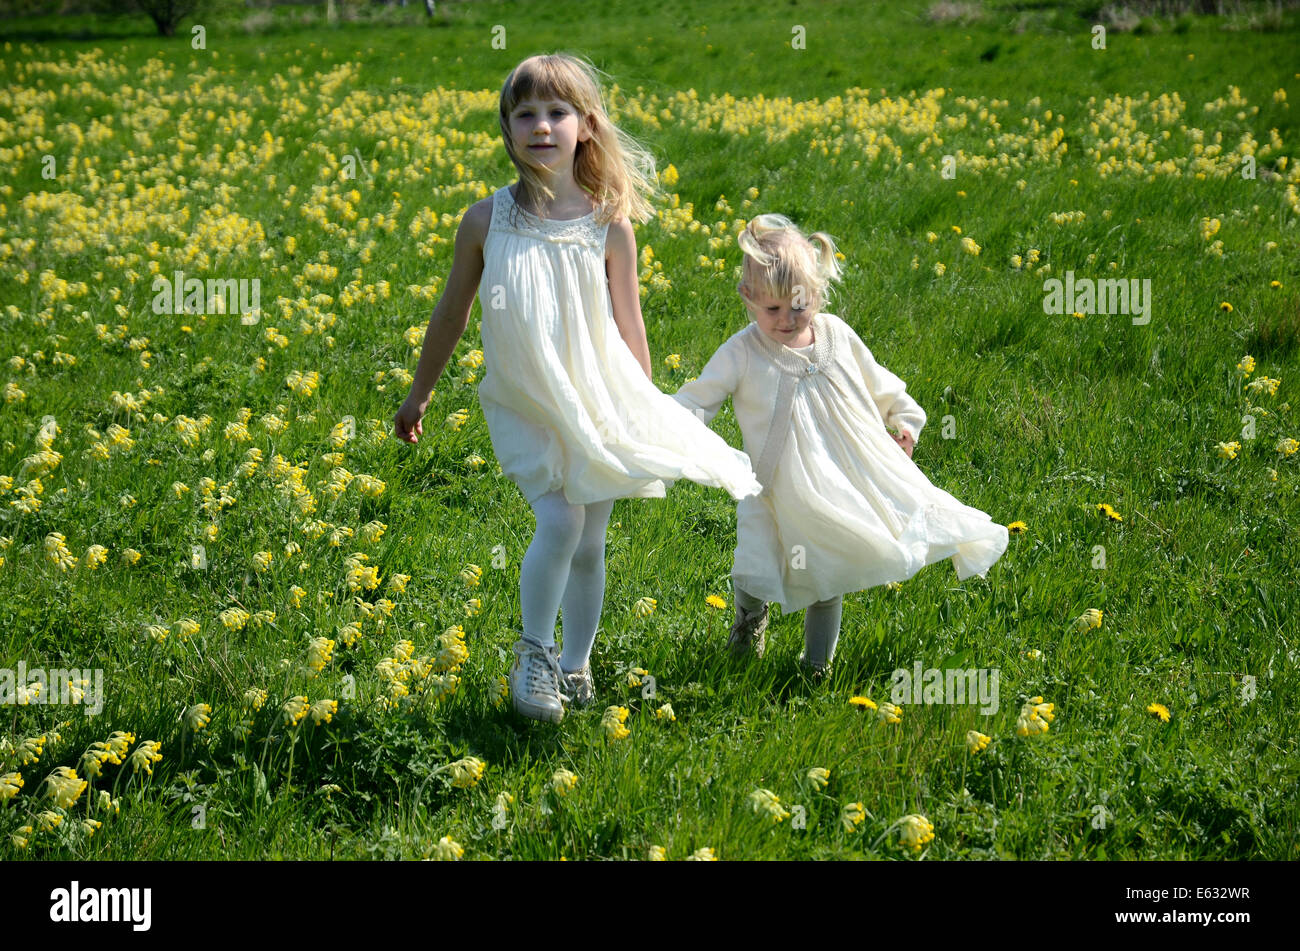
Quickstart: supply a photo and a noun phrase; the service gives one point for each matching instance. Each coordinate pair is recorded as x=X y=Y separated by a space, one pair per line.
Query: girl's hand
x=407 y=425
x=906 y=441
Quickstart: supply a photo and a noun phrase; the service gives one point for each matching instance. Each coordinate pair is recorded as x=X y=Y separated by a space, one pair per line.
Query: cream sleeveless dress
x=567 y=404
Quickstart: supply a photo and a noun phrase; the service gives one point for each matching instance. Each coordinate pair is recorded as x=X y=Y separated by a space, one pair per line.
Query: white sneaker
x=535 y=682
x=580 y=686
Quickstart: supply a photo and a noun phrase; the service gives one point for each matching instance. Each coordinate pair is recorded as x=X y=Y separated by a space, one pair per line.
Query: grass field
x=216 y=499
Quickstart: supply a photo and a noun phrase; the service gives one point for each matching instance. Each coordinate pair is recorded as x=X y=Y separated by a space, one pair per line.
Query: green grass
x=1052 y=415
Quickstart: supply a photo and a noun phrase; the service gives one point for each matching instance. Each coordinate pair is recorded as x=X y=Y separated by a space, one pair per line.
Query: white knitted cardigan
x=761 y=376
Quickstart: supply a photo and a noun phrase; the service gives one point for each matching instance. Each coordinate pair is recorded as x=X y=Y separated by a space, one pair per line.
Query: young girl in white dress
x=843 y=506
x=574 y=418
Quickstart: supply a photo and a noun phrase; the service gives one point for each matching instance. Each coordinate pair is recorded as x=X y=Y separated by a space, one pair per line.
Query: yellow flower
x=1225 y=306
x=851 y=816
x=766 y=802
x=1160 y=710
x=969 y=246
x=976 y=741
x=500 y=691
x=10 y=783
x=1275 y=284
x=645 y=606
x=939 y=268
x=466 y=772
x=714 y=601
x=890 y=713
x=665 y=712
x=295 y=708
x=324 y=710
x=319 y=653
x=1109 y=512
x=1034 y=717
x=47 y=821
x=612 y=722
x=90 y=825
x=703 y=854
x=669 y=175
x=862 y=703
x=1287 y=446
x=1034 y=654
x=1228 y=450
x=254 y=697
x=657 y=854
x=916 y=831
x=1087 y=620
x=472 y=607
x=673 y=361
x=145 y=755
x=448 y=850
x=1017 y=528
x=563 y=781
x=819 y=777
x=1247 y=365
x=931 y=237
x=470 y=574
x=198 y=716
x=65 y=786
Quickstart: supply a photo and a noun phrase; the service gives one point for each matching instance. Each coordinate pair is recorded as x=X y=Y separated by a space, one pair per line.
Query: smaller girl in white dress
x=843 y=506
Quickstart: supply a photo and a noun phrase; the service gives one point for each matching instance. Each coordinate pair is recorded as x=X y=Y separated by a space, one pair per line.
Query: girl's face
x=549 y=131
x=778 y=319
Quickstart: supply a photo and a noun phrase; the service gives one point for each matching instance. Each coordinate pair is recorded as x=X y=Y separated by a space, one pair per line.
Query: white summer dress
x=567 y=404
x=844 y=508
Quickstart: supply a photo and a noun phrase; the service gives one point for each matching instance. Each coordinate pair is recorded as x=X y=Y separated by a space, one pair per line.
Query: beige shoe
x=535 y=682
x=818 y=672
x=578 y=685
x=748 y=633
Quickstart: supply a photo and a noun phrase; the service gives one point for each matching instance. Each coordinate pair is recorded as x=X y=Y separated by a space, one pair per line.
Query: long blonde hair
x=780 y=260
x=611 y=166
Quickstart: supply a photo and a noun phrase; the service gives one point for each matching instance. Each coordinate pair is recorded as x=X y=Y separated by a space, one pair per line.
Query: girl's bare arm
x=624 y=292
x=450 y=316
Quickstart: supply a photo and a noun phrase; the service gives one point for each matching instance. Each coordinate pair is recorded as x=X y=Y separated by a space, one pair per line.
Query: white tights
x=821 y=624
x=564 y=569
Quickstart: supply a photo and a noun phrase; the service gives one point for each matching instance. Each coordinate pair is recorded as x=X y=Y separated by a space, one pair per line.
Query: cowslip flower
x=657 y=853
x=1287 y=446
x=969 y=246
x=65 y=786
x=448 y=850
x=665 y=712
x=975 y=741
x=563 y=781
x=47 y=821
x=198 y=716
x=915 y=831
x=1159 y=710
x=472 y=607
x=470 y=574
x=612 y=722
x=90 y=825
x=635 y=674
x=1228 y=450
x=254 y=697
x=851 y=816
x=295 y=708
x=819 y=777
x=673 y=361
x=466 y=772
x=320 y=651
x=10 y=783
x=145 y=755
x=322 y=711
x=1088 y=619
x=703 y=854
x=1247 y=365
x=1034 y=717
x=645 y=607
x=890 y=713
x=766 y=802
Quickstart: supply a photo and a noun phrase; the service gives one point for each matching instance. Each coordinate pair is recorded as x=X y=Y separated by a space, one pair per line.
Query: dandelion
x=818 y=777
x=1225 y=306
x=1017 y=528
x=612 y=722
x=916 y=831
x=1034 y=717
x=466 y=772
x=65 y=786
x=1228 y=450
x=890 y=713
x=765 y=802
x=1276 y=285
x=471 y=574
x=1159 y=710
x=563 y=782
x=1109 y=512
x=198 y=716
x=1088 y=619
x=703 y=854
x=714 y=601
x=851 y=816
x=976 y=741
x=448 y=850
x=862 y=703
x=665 y=712
x=145 y=755
x=657 y=853
x=322 y=711
x=645 y=607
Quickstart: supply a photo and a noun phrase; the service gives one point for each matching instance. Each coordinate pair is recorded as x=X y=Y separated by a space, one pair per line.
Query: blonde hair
x=779 y=259
x=611 y=166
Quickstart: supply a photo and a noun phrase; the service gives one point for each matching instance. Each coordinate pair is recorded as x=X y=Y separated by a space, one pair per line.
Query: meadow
x=302 y=624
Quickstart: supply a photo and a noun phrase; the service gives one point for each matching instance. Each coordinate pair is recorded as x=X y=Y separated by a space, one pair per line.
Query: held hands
x=904 y=440
x=407 y=423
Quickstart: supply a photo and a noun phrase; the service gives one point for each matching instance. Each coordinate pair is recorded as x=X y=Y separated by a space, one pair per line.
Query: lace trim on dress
x=584 y=230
